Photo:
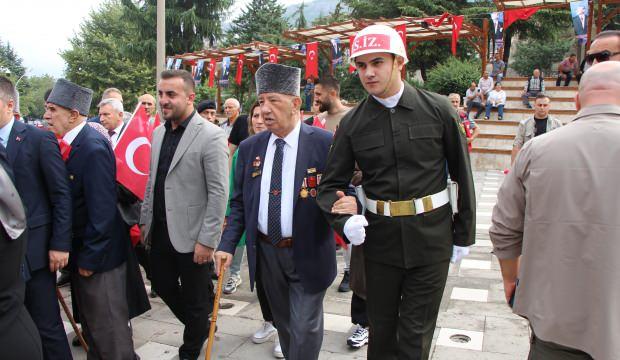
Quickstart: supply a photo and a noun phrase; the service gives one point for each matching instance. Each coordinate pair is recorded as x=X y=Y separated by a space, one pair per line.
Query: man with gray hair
x=112 y=93
x=111 y=117
x=555 y=228
x=236 y=125
x=289 y=242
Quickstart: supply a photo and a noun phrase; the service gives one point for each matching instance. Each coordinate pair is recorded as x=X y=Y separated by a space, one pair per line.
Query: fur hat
x=277 y=78
x=71 y=96
x=204 y=105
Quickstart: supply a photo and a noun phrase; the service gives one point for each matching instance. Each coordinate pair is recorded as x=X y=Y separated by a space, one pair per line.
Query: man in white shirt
x=485 y=84
x=496 y=99
x=111 y=117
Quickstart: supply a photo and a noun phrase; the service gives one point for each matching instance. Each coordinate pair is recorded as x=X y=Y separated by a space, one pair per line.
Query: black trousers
x=42 y=304
x=402 y=309
x=265 y=308
x=359 y=316
x=544 y=350
x=190 y=300
x=143 y=259
x=569 y=77
x=22 y=342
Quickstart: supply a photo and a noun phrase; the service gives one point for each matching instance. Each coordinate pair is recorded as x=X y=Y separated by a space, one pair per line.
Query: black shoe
x=152 y=294
x=76 y=341
x=64 y=279
x=344 y=284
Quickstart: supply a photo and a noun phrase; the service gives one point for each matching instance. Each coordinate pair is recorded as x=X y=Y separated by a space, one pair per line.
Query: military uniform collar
x=598 y=109
x=407 y=99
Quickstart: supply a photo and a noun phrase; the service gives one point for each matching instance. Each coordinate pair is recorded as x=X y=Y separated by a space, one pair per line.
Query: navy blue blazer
x=42 y=183
x=314 y=249
x=99 y=242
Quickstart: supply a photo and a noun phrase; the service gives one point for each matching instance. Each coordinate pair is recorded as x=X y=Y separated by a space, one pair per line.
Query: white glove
x=354 y=229
x=458 y=253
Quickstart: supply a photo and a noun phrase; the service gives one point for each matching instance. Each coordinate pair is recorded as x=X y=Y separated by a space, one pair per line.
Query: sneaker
x=500 y=118
x=231 y=285
x=277 y=349
x=486 y=118
x=359 y=338
x=264 y=334
x=344 y=284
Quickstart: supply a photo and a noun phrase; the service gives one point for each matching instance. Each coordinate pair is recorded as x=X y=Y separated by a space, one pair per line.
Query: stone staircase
x=491 y=149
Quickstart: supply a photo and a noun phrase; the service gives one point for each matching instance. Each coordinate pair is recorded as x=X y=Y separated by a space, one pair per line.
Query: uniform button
x=168 y=209
x=392 y=111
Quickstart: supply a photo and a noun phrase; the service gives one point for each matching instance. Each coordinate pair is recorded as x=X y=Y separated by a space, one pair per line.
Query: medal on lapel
x=312 y=178
x=304 y=190
x=256 y=165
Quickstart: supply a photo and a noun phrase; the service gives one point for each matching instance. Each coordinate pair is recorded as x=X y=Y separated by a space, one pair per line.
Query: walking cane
x=62 y=302
x=216 y=307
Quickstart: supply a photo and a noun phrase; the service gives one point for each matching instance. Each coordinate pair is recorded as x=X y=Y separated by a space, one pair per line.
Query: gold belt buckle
x=427 y=202
x=380 y=207
x=402 y=208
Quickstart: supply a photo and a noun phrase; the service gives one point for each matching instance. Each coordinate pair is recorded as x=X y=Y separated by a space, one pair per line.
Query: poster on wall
x=497 y=24
x=579 y=13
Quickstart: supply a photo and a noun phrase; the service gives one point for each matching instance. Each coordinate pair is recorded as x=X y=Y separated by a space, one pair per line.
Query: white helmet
x=378 y=38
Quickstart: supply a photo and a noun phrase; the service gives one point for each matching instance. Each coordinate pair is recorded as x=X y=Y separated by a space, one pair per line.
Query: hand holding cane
x=62 y=302
x=216 y=307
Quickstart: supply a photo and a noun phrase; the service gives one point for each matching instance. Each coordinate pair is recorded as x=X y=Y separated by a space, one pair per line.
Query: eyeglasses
x=604 y=55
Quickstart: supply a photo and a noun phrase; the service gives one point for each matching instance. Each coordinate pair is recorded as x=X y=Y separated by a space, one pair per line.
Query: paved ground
x=473 y=305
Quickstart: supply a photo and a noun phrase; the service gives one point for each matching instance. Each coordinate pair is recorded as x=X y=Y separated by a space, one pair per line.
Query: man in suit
x=580 y=21
x=287 y=236
x=111 y=117
x=98 y=259
x=18 y=334
x=184 y=206
x=42 y=182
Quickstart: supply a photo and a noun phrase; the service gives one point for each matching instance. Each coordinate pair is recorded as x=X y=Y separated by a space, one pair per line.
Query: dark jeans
x=500 y=111
x=477 y=105
x=526 y=97
x=402 y=308
x=359 y=316
x=544 y=350
x=569 y=77
x=190 y=300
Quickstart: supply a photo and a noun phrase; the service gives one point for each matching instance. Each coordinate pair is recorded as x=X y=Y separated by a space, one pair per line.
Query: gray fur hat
x=277 y=78
x=71 y=96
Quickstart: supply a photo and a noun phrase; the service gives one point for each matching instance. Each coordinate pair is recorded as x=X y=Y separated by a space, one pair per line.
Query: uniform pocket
x=427 y=131
x=368 y=141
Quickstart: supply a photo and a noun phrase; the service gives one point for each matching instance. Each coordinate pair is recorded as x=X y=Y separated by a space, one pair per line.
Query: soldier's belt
x=408 y=207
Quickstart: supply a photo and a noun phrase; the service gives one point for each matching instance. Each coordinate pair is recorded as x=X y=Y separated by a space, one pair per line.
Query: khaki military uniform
x=402 y=153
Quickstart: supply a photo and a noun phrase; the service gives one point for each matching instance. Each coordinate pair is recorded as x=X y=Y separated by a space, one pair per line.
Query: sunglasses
x=604 y=55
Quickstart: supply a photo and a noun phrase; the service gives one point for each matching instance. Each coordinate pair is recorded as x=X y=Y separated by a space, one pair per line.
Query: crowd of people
x=287 y=191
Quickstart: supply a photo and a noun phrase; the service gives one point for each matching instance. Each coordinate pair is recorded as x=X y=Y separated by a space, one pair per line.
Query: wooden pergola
x=550 y=4
x=251 y=51
x=418 y=30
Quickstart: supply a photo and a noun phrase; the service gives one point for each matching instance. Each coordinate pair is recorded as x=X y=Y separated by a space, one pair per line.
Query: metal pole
x=161 y=37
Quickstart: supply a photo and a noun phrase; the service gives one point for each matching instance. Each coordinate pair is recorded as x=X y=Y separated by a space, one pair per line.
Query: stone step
x=512 y=103
x=493 y=143
x=554 y=99
x=486 y=129
x=552 y=91
x=481 y=159
x=495 y=136
x=520 y=81
x=512 y=117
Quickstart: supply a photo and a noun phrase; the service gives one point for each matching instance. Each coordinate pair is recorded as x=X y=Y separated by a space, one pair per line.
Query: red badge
x=371 y=42
x=312 y=181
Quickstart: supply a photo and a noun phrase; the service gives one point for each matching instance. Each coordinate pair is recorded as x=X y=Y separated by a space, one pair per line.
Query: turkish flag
x=351 y=67
x=240 y=63
x=133 y=153
x=402 y=31
x=273 y=55
x=511 y=16
x=312 y=60
x=436 y=22
x=211 y=72
x=457 y=24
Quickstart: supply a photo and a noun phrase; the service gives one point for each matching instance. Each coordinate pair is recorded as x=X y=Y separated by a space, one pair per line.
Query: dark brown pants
x=544 y=350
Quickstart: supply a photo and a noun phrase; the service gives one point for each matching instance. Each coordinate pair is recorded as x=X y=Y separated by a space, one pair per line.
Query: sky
x=39 y=29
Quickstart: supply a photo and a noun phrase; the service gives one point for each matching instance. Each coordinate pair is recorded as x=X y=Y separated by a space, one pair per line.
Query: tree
x=261 y=20
x=535 y=54
x=31 y=101
x=190 y=24
x=96 y=60
x=301 y=22
x=453 y=76
x=10 y=60
x=338 y=15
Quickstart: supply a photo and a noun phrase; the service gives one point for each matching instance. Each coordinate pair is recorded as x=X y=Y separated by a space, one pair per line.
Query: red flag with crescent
x=511 y=16
x=240 y=63
x=351 y=40
x=402 y=32
x=312 y=60
x=457 y=24
x=211 y=72
x=273 y=55
x=133 y=152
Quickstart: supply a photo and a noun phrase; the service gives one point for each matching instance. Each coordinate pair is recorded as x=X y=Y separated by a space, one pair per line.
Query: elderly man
x=43 y=184
x=208 y=110
x=235 y=126
x=111 y=117
x=485 y=84
x=538 y=124
x=98 y=258
x=184 y=206
x=534 y=86
x=112 y=93
x=274 y=201
x=473 y=99
x=555 y=228
x=148 y=101
x=402 y=139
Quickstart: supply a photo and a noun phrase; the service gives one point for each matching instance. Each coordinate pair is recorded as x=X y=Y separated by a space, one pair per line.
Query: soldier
x=401 y=138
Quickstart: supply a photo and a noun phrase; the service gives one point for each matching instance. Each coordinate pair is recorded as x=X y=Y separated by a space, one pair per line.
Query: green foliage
x=453 y=76
x=339 y=14
x=261 y=20
x=31 y=100
x=541 y=55
x=301 y=22
x=189 y=25
x=351 y=88
x=10 y=60
x=96 y=60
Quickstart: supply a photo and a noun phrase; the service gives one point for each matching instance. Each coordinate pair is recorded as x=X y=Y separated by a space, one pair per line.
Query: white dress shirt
x=393 y=100
x=497 y=98
x=73 y=133
x=5 y=132
x=117 y=133
x=288 y=182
